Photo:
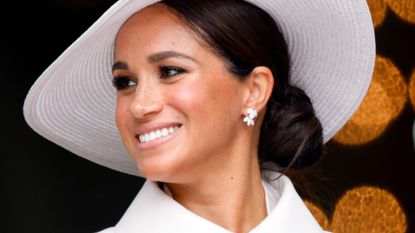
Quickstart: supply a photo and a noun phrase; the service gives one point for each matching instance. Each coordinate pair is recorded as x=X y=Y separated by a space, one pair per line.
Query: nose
x=145 y=106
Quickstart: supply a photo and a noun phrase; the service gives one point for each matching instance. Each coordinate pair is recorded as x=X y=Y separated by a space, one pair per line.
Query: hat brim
x=331 y=45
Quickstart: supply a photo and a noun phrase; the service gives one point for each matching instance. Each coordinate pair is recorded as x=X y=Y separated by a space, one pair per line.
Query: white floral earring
x=250 y=117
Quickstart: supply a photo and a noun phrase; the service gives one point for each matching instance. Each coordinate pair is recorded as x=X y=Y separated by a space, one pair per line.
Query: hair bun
x=294 y=95
x=291 y=134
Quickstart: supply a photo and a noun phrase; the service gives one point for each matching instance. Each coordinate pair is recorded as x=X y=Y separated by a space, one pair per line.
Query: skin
x=210 y=163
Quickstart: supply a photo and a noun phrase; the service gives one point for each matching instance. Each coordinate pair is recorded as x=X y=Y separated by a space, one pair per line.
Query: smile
x=156 y=134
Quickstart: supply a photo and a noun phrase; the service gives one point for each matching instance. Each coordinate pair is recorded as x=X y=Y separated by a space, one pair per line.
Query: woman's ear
x=260 y=85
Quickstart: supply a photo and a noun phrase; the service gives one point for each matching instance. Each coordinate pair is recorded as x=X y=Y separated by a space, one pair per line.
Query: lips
x=156 y=133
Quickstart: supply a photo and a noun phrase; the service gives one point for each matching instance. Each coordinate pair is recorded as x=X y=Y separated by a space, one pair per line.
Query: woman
x=213 y=100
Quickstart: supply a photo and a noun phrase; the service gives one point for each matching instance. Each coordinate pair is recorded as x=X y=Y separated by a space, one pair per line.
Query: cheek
x=121 y=114
x=211 y=103
x=187 y=97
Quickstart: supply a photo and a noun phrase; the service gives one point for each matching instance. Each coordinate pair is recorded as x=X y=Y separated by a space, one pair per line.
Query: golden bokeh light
x=377 y=10
x=319 y=215
x=411 y=88
x=368 y=209
x=384 y=101
x=405 y=9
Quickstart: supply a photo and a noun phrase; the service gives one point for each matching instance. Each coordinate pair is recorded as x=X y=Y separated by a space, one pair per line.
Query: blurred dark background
x=44 y=188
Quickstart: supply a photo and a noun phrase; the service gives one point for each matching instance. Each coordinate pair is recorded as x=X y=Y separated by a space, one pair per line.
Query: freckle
x=231 y=177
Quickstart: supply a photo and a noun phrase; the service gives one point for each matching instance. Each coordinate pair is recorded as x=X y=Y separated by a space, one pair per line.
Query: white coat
x=154 y=211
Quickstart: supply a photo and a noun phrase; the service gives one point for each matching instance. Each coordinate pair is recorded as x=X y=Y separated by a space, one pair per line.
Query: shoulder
x=107 y=230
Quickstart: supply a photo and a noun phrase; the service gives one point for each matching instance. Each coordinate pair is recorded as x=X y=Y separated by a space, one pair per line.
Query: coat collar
x=153 y=211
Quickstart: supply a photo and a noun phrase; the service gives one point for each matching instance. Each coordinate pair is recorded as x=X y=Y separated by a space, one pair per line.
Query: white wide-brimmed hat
x=331 y=45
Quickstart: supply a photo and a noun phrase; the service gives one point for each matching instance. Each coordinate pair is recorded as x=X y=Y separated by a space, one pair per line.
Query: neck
x=233 y=198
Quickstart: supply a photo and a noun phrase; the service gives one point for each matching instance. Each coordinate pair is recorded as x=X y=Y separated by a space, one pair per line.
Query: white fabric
x=154 y=211
x=271 y=196
x=331 y=45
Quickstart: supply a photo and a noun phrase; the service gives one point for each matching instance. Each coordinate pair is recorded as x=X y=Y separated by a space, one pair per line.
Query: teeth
x=164 y=132
x=150 y=136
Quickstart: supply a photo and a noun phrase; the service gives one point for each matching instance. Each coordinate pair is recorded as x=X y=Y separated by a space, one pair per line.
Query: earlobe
x=261 y=83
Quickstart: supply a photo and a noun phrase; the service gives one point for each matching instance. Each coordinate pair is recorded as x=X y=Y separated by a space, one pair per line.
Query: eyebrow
x=168 y=54
x=119 y=65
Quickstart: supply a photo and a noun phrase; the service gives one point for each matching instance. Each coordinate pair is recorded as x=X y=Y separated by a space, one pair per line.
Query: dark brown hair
x=245 y=36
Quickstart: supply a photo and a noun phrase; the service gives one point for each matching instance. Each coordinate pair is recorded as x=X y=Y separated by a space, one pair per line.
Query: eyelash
x=166 y=72
x=122 y=82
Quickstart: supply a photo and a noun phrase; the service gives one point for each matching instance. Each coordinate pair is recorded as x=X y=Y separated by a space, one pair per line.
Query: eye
x=122 y=83
x=170 y=71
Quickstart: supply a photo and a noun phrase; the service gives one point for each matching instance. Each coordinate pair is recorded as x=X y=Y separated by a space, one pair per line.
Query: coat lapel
x=289 y=213
x=153 y=211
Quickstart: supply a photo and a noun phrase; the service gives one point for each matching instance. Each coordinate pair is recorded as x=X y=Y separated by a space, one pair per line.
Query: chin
x=156 y=169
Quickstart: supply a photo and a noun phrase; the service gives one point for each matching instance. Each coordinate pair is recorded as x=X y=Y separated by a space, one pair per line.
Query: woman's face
x=179 y=110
